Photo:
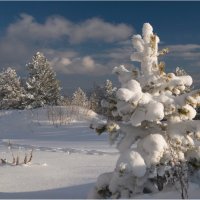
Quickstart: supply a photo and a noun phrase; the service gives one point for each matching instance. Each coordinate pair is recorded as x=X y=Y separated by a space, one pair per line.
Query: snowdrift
x=25 y=122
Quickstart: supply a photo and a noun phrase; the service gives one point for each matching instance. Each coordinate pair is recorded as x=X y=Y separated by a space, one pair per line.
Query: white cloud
x=25 y=36
x=27 y=28
x=88 y=63
x=100 y=63
x=120 y=53
x=98 y=29
x=77 y=65
x=183 y=47
x=185 y=51
x=66 y=61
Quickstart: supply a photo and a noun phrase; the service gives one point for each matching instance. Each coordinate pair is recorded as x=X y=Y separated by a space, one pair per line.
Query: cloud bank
x=67 y=45
x=59 y=39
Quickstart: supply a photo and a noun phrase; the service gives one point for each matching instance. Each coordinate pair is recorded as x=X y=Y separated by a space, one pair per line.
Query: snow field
x=67 y=159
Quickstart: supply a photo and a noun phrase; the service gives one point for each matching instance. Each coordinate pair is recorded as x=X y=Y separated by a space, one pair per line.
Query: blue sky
x=85 y=40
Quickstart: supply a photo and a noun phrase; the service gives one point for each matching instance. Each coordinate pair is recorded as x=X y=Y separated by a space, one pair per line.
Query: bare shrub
x=63 y=115
x=16 y=160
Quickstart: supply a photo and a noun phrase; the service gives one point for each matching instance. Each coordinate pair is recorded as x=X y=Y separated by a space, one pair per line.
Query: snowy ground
x=67 y=159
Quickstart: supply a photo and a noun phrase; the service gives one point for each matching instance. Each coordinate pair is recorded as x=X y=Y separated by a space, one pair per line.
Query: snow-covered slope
x=16 y=123
x=67 y=158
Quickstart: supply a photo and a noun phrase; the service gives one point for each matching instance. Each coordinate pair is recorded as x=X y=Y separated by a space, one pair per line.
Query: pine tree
x=99 y=95
x=12 y=94
x=42 y=85
x=93 y=102
x=102 y=96
x=79 y=98
x=66 y=101
x=108 y=89
x=158 y=139
x=108 y=102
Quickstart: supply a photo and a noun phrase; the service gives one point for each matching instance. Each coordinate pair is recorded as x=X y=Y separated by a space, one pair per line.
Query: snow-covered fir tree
x=94 y=102
x=108 y=101
x=96 y=97
x=42 y=85
x=66 y=101
x=101 y=97
x=12 y=94
x=79 y=98
x=158 y=139
x=108 y=88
